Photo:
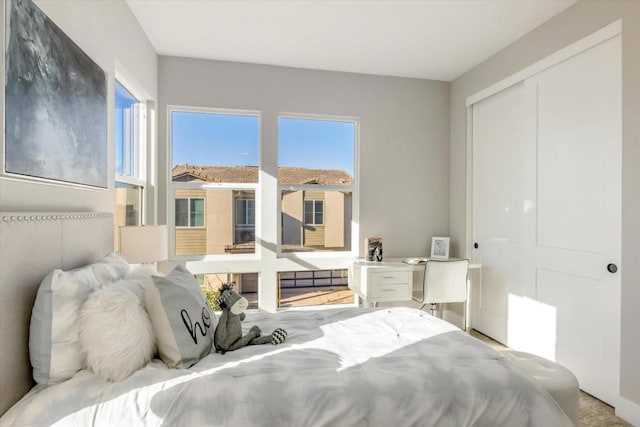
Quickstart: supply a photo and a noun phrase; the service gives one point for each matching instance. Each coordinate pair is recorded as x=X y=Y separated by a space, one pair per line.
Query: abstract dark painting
x=55 y=103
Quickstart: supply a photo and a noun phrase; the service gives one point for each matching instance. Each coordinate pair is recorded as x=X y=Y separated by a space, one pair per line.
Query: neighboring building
x=219 y=221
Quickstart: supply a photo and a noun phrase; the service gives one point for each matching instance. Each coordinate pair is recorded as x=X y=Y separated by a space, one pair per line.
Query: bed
x=342 y=367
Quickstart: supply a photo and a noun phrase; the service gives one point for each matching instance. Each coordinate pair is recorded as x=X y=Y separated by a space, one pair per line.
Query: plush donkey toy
x=228 y=334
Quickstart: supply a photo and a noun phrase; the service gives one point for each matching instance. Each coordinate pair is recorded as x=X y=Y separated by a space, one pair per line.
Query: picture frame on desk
x=440 y=247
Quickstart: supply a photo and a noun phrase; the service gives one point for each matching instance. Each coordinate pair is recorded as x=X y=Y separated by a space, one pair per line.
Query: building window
x=214 y=158
x=245 y=212
x=316 y=164
x=314 y=212
x=190 y=212
x=130 y=158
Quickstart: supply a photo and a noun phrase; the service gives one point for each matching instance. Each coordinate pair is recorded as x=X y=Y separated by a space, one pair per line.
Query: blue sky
x=231 y=140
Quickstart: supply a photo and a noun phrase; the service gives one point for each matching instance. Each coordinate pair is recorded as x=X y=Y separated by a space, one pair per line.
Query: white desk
x=387 y=281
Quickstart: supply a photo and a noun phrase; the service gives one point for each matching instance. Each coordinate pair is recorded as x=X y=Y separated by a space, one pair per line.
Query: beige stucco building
x=222 y=221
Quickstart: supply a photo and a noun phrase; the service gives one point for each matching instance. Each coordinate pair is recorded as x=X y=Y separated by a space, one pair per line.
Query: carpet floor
x=593 y=412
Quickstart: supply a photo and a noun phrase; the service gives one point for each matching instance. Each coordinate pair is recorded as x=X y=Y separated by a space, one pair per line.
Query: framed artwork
x=439 y=247
x=56 y=116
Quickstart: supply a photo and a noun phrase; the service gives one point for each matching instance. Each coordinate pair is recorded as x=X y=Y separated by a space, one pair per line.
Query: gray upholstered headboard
x=32 y=244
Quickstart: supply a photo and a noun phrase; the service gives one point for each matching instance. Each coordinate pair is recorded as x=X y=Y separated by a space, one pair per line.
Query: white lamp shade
x=143 y=244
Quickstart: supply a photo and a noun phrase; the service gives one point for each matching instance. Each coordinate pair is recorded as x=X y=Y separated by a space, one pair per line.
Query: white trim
x=563 y=54
x=469 y=195
x=211 y=110
x=213 y=185
x=628 y=411
x=319 y=117
x=316 y=187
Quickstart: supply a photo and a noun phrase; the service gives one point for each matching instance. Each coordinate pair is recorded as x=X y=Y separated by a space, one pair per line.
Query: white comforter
x=340 y=367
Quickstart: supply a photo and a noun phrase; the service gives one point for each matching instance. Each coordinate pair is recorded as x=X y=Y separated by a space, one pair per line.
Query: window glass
x=209 y=147
x=308 y=211
x=130 y=182
x=214 y=221
x=314 y=287
x=315 y=220
x=316 y=163
x=126 y=128
x=245 y=284
x=196 y=210
x=320 y=152
x=318 y=212
x=222 y=149
x=245 y=211
x=182 y=212
x=128 y=204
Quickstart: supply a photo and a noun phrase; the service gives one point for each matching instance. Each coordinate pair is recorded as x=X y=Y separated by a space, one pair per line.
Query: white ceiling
x=431 y=39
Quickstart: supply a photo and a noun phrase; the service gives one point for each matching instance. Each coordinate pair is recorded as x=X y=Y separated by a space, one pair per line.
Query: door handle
x=475 y=245
x=612 y=268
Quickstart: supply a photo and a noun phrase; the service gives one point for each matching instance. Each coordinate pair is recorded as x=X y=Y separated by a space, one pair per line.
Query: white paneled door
x=579 y=212
x=501 y=165
x=547 y=215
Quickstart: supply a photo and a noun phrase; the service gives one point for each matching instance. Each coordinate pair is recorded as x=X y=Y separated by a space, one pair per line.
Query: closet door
x=547 y=216
x=503 y=197
x=579 y=210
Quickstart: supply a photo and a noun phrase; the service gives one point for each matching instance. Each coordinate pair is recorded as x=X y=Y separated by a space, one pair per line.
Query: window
x=314 y=287
x=128 y=204
x=214 y=164
x=316 y=162
x=190 y=212
x=127 y=133
x=245 y=284
x=264 y=213
x=245 y=212
x=130 y=158
x=314 y=212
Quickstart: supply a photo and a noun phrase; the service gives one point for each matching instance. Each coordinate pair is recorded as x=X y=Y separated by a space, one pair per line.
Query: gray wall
x=578 y=21
x=404 y=134
x=109 y=33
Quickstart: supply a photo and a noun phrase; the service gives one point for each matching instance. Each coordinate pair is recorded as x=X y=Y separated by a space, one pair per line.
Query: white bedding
x=340 y=367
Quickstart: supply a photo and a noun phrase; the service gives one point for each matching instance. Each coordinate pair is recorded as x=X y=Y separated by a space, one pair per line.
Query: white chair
x=445 y=281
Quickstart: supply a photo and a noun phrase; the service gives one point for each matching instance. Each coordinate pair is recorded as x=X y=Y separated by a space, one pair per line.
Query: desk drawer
x=391 y=292
x=379 y=278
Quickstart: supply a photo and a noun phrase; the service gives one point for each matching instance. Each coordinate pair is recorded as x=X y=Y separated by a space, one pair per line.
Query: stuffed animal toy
x=228 y=333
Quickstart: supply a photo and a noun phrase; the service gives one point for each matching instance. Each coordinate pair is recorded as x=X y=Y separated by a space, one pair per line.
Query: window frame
x=177 y=185
x=314 y=212
x=267 y=259
x=138 y=147
x=352 y=188
x=245 y=199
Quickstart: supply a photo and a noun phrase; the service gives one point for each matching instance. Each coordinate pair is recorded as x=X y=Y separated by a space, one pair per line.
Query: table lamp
x=145 y=244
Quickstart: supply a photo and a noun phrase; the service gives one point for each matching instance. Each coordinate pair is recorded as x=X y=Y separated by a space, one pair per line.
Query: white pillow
x=54 y=350
x=115 y=331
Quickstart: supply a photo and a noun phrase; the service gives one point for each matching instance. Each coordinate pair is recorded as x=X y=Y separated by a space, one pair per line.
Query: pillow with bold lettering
x=182 y=320
x=54 y=348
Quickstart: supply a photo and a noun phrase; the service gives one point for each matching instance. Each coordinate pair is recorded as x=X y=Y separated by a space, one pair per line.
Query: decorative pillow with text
x=183 y=322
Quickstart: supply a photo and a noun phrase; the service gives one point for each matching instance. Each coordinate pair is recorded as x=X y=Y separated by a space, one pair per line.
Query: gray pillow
x=183 y=322
x=54 y=348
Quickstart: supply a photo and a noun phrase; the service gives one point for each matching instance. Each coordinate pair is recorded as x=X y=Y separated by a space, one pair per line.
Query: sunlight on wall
x=532 y=326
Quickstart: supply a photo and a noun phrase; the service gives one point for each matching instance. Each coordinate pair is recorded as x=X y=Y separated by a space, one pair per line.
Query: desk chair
x=445 y=281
